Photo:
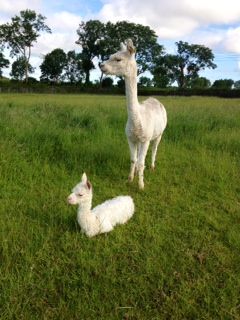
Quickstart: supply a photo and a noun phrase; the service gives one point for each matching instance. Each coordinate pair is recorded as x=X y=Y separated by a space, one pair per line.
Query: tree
x=144 y=39
x=89 y=34
x=21 y=33
x=32 y=80
x=200 y=82
x=145 y=82
x=53 y=65
x=107 y=82
x=73 y=70
x=223 y=84
x=121 y=83
x=164 y=70
x=237 y=84
x=184 y=67
x=99 y=40
x=4 y=63
x=18 y=69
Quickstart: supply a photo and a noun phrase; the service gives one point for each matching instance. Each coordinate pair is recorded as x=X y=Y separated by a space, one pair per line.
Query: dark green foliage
x=101 y=40
x=89 y=34
x=191 y=59
x=73 y=70
x=223 y=84
x=200 y=82
x=145 y=82
x=121 y=83
x=143 y=37
x=32 y=80
x=119 y=88
x=18 y=69
x=237 y=84
x=4 y=63
x=107 y=82
x=183 y=67
x=164 y=70
x=53 y=65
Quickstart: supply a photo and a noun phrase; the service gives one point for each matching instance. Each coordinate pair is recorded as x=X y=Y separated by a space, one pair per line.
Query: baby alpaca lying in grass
x=105 y=216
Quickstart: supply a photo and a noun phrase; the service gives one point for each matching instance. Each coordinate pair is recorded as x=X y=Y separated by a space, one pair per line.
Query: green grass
x=177 y=258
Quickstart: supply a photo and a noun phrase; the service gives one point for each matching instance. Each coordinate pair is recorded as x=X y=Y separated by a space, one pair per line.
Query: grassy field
x=177 y=258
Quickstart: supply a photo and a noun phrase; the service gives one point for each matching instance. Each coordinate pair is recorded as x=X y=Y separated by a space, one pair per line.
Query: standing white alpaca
x=146 y=121
x=105 y=216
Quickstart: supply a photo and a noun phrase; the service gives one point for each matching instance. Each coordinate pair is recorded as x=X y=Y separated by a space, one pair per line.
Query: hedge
x=20 y=87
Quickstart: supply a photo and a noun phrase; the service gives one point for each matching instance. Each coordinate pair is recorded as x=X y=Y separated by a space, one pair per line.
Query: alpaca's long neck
x=85 y=207
x=132 y=99
x=88 y=220
x=85 y=215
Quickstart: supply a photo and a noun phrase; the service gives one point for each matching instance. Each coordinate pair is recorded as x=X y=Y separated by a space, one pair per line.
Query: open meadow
x=177 y=258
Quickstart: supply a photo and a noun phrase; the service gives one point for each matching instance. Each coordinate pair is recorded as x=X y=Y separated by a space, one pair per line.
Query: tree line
x=97 y=40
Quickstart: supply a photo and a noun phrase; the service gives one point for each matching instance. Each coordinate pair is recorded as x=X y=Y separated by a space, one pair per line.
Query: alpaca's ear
x=130 y=47
x=84 y=178
x=89 y=185
x=122 y=47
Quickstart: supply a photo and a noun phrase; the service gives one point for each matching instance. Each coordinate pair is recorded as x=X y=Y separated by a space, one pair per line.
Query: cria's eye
x=80 y=195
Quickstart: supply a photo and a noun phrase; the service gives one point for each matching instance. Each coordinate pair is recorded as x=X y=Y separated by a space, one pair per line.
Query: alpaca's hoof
x=130 y=179
x=152 y=167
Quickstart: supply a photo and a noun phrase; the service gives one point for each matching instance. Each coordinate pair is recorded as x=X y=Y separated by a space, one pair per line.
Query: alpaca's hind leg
x=143 y=148
x=154 y=150
x=133 y=155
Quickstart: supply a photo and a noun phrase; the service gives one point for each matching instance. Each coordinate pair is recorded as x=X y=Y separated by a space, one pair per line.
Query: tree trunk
x=27 y=62
x=87 y=76
x=26 y=71
x=181 y=78
x=100 y=80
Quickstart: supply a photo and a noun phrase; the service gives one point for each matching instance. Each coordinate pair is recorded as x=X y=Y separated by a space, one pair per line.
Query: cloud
x=172 y=18
x=15 y=6
x=49 y=42
x=11 y=8
x=64 y=21
x=63 y=25
x=222 y=40
x=214 y=11
x=231 y=42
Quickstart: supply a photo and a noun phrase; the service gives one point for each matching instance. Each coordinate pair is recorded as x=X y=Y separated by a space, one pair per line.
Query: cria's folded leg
x=154 y=150
x=141 y=162
x=133 y=154
x=106 y=227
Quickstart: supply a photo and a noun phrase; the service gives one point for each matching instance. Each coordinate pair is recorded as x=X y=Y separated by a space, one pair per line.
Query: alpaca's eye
x=80 y=195
x=118 y=59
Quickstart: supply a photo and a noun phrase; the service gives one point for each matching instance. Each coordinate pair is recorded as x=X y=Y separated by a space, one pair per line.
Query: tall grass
x=177 y=258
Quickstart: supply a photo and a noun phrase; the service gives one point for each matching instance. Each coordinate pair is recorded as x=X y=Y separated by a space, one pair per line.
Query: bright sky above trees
x=213 y=23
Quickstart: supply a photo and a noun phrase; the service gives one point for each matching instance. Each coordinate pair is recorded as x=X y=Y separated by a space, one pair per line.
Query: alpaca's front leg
x=133 y=155
x=143 y=148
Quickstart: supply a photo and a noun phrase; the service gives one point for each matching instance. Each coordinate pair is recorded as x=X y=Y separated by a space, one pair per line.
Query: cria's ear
x=89 y=185
x=130 y=47
x=122 y=47
x=84 y=178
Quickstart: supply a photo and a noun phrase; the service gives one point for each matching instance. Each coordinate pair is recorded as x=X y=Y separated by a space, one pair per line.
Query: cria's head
x=82 y=192
x=122 y=63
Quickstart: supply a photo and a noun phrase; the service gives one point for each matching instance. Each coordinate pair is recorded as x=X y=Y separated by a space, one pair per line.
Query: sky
x=213 y=23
